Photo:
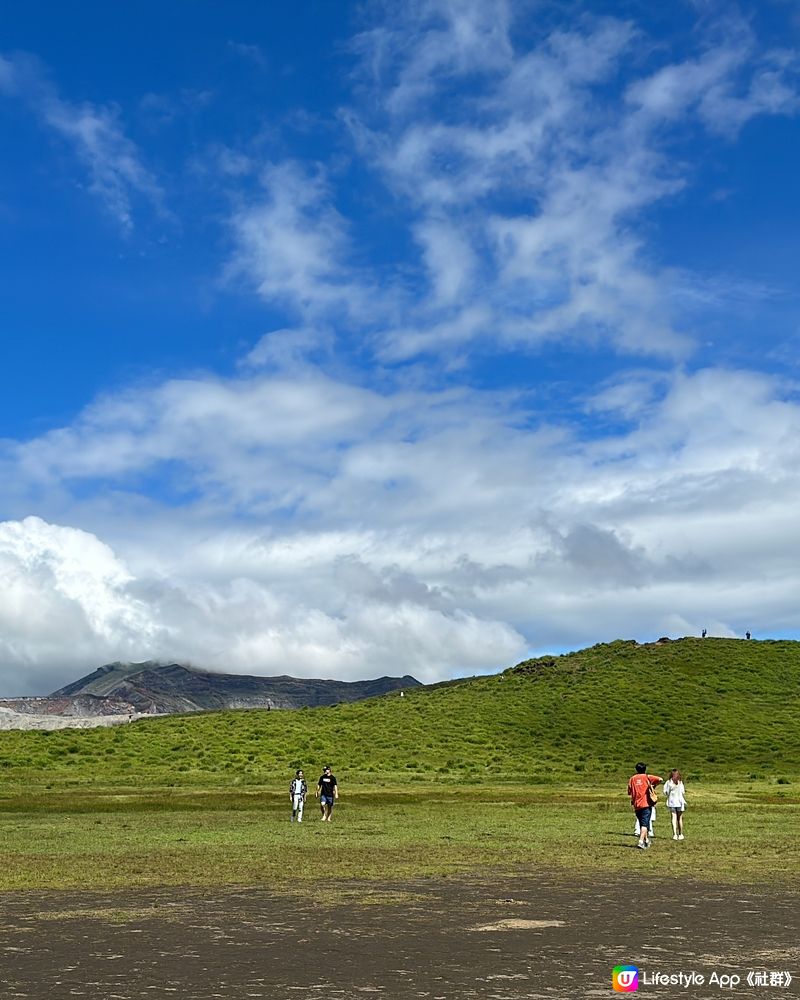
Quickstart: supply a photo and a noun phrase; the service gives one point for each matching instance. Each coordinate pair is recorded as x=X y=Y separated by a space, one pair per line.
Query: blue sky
x=352 y=339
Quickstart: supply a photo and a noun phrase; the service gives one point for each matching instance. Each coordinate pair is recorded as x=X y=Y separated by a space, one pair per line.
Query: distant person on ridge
x=675 y=795
x=327 y=792
x=704 y=633
x=641 y=789
x=747 y=635
x=298 y=789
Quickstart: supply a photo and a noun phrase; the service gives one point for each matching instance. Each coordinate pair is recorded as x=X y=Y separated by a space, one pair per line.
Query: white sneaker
x=675 y=836
x=680 y=836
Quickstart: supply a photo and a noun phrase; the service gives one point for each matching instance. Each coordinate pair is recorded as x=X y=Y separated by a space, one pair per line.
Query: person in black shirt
x=327 y=792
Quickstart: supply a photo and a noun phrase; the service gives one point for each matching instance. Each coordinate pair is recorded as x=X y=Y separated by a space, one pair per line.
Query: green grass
x=119 y=839
x=716 y=708
x=526 y=769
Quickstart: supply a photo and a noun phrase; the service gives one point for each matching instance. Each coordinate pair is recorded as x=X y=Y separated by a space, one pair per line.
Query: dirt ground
x=530 y=937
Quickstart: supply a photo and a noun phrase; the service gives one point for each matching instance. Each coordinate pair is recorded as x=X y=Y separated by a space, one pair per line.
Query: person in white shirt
x=675 y=797
x=297 y=795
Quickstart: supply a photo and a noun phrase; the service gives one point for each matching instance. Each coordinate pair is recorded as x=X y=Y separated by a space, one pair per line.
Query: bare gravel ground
x=536 y=936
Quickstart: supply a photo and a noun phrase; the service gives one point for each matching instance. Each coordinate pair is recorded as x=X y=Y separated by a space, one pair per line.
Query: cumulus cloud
x=69 y=604
x=404 y=530
x=65 y=600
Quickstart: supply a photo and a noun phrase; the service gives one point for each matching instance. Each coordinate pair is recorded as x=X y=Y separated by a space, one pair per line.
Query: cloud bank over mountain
x=417 y=532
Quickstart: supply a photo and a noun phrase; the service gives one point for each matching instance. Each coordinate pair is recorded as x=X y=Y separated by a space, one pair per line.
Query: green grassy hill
x=715 y=708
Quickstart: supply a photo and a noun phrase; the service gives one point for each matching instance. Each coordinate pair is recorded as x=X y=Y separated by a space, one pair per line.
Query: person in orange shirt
x=640 y=787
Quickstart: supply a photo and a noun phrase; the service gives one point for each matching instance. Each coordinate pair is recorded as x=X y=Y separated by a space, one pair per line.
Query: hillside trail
x=534 y=936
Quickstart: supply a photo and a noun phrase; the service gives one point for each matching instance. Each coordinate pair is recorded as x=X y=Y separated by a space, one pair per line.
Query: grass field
x=525 y=769
x=126 y=838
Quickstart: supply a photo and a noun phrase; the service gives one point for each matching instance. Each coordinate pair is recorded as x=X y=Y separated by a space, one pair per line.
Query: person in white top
x=675 y=797
x=297 y=795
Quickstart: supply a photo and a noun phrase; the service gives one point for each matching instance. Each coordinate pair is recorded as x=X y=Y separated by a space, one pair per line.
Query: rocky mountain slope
x=167 y=688
x=119 y=692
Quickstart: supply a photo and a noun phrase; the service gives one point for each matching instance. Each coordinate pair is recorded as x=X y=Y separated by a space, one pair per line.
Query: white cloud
x=251 y=53
x=449 y=258
x=64 y=604
x=113 y=163
x=435 y=40
x=8 y=77
x=403 y=531
x=294 y=246
x=111 y=159
x=289 y=347
x=69 y=604
x=725 y=87
x=525 y=172
x=558 y=259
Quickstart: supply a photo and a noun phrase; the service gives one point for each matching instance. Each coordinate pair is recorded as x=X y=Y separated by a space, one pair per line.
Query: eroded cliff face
x=122 y=692
x=10 y=719
x=80 y=706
